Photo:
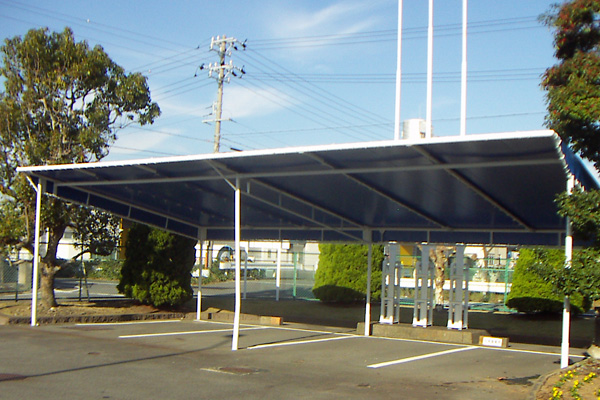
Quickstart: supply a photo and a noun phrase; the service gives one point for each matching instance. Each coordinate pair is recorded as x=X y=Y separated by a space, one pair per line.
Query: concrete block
x=431 y=333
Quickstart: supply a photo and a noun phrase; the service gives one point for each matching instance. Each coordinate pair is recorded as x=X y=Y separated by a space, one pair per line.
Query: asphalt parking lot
x=191 y=359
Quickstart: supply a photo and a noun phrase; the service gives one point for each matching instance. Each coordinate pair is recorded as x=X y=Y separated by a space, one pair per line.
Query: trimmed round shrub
x=530 y=293
x=342 y=273
x=158 y=267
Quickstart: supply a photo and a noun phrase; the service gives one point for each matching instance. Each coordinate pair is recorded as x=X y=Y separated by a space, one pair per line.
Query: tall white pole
x=36 y=254
x=463 y=75
x=398 y=74
x=566 y=323
x=278 y=272
x=199 y=304
x=368 y=302
x=428 y=127
x=246 y=249
x=238 y=296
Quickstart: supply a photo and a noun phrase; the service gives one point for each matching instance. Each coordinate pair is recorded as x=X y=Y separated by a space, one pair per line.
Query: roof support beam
x=295 y=198
x=380 y=192
x=279 y=174
x=339 y=230
x=475 y=188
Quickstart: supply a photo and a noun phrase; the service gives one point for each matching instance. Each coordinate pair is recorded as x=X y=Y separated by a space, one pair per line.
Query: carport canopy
x=476 y=189
x=490 y=188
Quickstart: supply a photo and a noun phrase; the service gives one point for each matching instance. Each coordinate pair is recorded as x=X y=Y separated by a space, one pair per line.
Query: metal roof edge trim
x=294 y=150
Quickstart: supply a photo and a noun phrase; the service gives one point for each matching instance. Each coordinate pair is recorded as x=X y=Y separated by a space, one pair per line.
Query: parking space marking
x=543 y=353
x=162 y=321
x=297 y=342
x=422 y=357
x=145 y=335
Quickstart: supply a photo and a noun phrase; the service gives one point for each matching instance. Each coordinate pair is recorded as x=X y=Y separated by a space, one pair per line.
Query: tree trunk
x=439 y=262
x=47 y=296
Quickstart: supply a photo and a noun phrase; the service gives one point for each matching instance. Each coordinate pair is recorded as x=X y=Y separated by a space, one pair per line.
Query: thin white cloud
x=343 y=17
x=240 y=102
x=136 y=142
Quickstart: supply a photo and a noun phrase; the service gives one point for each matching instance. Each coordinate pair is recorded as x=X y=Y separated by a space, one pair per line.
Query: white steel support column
x=398 y=75
x=424 y=291
x=199 y=303
x=246 y=249
x=428 y=123
x=463 y=75
x=458 y=294
x=566 y=323
x=368 y=301
x=238 y=297
x=36 y=253
x=278 y=273
x=390 y=286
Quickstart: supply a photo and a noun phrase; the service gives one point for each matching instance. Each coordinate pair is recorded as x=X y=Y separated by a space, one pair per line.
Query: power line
x=322 y=96
x=482 y=27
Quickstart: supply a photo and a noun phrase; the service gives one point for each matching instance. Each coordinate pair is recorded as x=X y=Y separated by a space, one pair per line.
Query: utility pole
x=222 y=72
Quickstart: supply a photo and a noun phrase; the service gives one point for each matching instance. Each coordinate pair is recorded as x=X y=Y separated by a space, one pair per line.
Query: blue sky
x=317 y=72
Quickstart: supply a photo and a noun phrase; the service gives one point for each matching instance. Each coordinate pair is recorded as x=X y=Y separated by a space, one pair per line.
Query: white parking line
x=145 y=335
x=422 y=357
x=161 y=321
x=543 y=353
x=297 y=342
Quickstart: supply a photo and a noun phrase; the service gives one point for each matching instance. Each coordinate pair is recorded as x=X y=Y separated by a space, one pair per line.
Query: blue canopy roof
x=492 y=188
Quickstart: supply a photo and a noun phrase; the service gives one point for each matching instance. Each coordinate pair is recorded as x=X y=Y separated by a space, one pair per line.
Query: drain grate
x=12 y=377
x=238 y=370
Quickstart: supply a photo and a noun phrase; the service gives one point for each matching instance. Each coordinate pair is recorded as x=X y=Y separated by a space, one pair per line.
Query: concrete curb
x=228 y=316
x=210 y=315
x=432 y=333
x=79 y=319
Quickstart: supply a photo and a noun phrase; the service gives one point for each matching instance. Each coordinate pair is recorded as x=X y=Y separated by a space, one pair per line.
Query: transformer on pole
x=222 y=72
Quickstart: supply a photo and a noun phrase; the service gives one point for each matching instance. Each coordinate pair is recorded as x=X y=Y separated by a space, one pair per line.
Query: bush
x=342 y=273
x=157 y=268
x=96 y=269
x=104 y=269
x=530 y=293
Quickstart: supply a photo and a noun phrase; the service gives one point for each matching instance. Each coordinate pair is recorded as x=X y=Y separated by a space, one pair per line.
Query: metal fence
x=15 y=276
x=489 y=281
x=263 y=276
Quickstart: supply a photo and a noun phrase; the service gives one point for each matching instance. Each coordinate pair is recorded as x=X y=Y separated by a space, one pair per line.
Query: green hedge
x=530 y=293
x=342 y=273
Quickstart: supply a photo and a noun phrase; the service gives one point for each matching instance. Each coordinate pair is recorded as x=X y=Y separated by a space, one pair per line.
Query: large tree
x=63 y=102
x=573 y=84
x=573 y=98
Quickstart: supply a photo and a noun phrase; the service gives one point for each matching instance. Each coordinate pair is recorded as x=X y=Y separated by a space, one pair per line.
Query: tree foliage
x=158 y=267
x=573 y=84
x=573 y=98
x=583 y=210
x=342 y=273
x=63 y=102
